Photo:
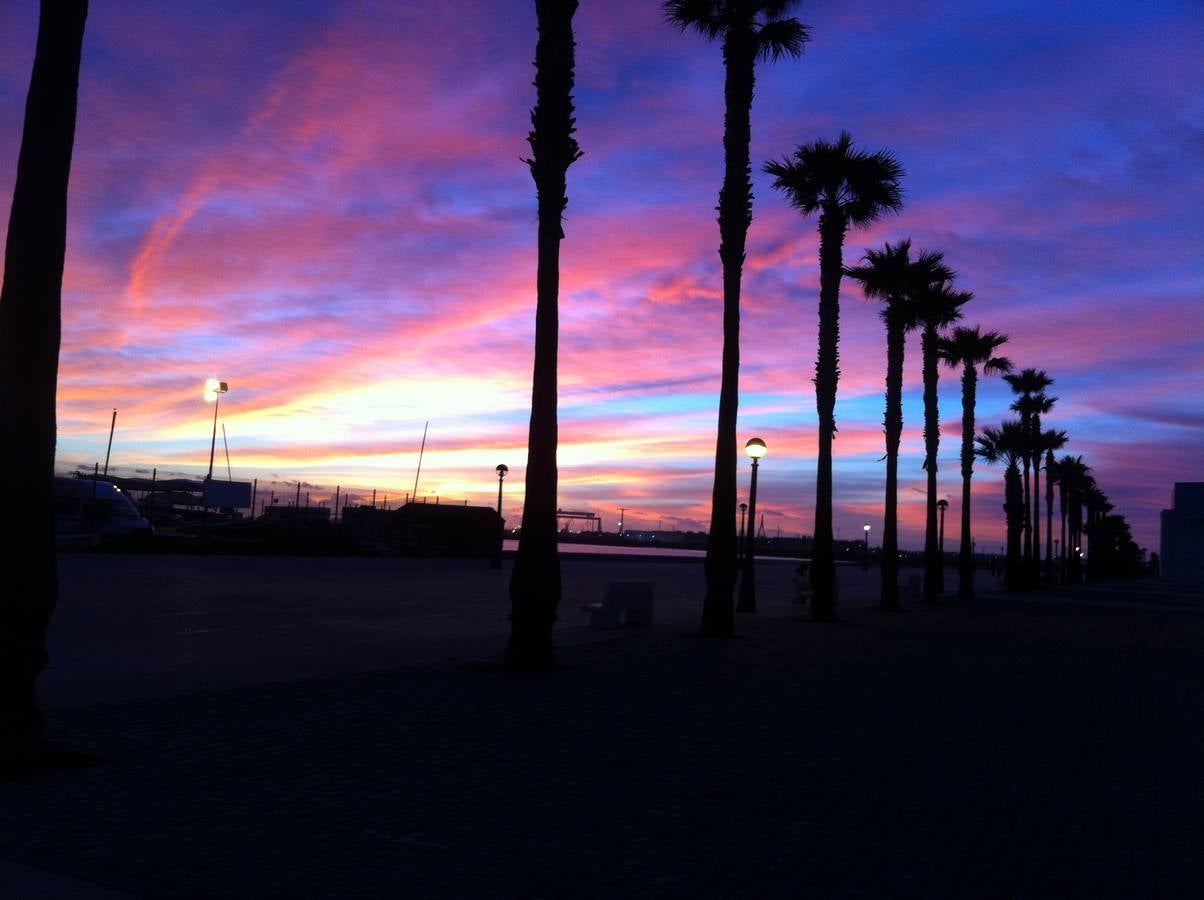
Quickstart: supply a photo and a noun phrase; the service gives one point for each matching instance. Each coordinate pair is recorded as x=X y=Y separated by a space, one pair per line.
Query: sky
x=324 y=204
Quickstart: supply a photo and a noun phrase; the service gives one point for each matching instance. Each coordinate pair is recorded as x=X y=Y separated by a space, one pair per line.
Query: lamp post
x=865 y=548
x=755 y=449
x=942 y=505
x=740 y=542
x=501 y=473
x=213 y=393
x=496 y=562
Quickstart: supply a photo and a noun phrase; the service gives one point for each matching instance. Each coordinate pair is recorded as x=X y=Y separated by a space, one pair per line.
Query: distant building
x=432 y=529
x=296 y=513
x=1182 y=554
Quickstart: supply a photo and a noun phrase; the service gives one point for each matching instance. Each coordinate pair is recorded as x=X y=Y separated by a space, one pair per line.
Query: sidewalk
x=1002 y=749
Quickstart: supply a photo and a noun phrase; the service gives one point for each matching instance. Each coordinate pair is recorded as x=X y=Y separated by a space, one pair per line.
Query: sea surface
x=511 y=546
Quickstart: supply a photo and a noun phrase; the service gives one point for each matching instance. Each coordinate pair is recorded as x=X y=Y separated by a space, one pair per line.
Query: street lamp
x=942 y=505
x=865 y=548
x=496 y=562
x=213 y=393
x=501 y=473
x=755 y=449
x=739 y=542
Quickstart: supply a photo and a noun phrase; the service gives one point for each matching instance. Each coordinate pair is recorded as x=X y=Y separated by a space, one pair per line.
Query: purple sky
x=323 y=203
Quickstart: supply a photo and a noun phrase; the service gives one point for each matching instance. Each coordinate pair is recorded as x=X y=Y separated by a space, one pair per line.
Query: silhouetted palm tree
x=535 y=582
x=751 y=30
x=892 y=276
x=1074 y=476
x=1049 y=441
x=1098 y=508
x=970 y=348
x=1005 y=444
x=936 y=308
x=30 y=333
x=848 y=188
x=1028 y=384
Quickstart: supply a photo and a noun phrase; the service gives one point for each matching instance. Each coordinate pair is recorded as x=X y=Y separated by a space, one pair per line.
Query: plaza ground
x=311 y=727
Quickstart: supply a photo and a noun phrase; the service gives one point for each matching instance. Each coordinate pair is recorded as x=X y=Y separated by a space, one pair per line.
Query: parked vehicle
x=90 y=513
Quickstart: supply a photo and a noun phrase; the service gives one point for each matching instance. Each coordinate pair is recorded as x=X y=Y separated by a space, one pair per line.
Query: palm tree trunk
x=735 y=215
x=832 y=229
x=965 y=561
x=1013 y=505
x=1049 y=499
x=1027 y=525
x=933 y=570
x=893 y=426
x=30 y=334
x=1074 y=569
x=535 y=585
x=1035 y=562
x=1060 y=575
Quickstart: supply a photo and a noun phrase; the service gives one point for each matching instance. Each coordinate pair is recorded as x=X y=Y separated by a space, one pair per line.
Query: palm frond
x=781 y=37
x=704 y=16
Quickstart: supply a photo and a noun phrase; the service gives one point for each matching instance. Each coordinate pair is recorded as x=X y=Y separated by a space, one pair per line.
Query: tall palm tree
x=535 y=581
x=30 y=334
x=1074 y=477
x=848 y=188
x=1005 y=444
x=1033 y=407
x=1098 y=508
x=936 y=308
x=970 y=348
x=1049 y=441
x=1028 y=385
x=751 y=31
x=892 y=276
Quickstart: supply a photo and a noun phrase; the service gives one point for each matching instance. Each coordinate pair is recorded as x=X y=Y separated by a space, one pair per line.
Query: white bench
x=624 y=603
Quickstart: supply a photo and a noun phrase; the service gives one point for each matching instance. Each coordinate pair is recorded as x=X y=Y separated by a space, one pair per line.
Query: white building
x=1182 y=555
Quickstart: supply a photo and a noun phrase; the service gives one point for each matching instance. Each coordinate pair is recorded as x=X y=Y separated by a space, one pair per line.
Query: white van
x=91 y=513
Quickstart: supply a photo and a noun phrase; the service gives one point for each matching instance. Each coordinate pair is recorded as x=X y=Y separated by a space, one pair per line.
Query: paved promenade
x=324 y=728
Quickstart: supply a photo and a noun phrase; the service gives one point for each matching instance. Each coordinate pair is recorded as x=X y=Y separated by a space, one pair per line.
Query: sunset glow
x=324 y=205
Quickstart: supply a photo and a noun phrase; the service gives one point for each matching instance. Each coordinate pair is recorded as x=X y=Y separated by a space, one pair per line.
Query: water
x=511 y=546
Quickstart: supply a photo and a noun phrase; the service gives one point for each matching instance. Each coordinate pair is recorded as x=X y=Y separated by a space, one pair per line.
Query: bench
x=624 y=603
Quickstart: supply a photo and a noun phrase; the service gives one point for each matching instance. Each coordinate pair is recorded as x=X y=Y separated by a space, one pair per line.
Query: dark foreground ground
x=324 y=728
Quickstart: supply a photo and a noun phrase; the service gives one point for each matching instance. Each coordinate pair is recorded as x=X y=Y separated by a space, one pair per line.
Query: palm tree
x=848 y=188
x=30 y=331
x=535 y=582
x=970 y=348
x=1034 y=407
x=751 y=30
x=1074 y=477
x=1049 y=441
x=892 y=276
x=1005 y=444
x=1028 y=384
x=936 y=308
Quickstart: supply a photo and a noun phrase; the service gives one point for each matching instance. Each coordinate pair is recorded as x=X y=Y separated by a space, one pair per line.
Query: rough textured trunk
x=893 y=427
x=934 y=578
x=965 y=559
x=535 y=585
x=832 y=227
x=30 y=330
x=735 y=215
